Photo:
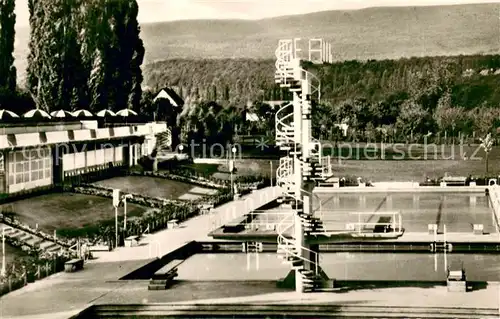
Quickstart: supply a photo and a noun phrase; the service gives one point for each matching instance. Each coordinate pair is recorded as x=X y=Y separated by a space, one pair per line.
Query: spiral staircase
x=289 y=138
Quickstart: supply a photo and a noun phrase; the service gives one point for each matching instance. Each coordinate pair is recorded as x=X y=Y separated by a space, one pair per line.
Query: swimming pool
x=341 y=266
x=459 y=212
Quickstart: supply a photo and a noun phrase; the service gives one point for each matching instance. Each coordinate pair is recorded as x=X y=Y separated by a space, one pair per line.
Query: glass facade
x=29 y=168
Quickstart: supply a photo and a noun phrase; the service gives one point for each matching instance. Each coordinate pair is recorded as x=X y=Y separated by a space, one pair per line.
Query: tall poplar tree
x=7 y=35
x=137 y=45
x=34 y=61
x=125 y=54
x=56 y=78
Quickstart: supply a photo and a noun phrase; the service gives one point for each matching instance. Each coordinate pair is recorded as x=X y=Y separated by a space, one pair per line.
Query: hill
x=373 y=33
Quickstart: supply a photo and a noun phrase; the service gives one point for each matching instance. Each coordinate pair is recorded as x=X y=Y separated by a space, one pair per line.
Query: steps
x=164 y=277
x=31 y=239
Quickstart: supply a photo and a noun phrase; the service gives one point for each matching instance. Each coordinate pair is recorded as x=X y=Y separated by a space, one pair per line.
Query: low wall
x=226 y=310
x=136 y=198
x=396 y=189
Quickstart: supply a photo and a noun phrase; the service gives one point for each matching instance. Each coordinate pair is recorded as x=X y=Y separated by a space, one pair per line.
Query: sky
x=169 y=10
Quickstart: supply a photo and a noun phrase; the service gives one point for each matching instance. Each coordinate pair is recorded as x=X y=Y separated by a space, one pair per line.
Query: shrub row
x=186 y=176
x=26 y=269
x=156 y=218
x=154 y=202
x=180 y=177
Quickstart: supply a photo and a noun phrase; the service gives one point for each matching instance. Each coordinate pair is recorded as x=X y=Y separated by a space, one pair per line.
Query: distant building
x=252 y=117
x=343 y=127
x=171 y=96
x=274 y=104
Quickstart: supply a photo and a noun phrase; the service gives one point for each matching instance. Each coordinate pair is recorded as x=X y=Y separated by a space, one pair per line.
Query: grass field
x=67 y=210
x=401 y=163
x=149 y=186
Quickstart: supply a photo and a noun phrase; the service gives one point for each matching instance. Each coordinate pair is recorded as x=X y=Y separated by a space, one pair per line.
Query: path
x=63 y=293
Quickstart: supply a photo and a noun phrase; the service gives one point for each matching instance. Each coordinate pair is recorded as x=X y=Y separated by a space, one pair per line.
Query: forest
x=405 y=98
x=89 y=54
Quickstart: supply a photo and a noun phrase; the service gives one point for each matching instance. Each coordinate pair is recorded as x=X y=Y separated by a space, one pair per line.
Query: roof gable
x=171 y=95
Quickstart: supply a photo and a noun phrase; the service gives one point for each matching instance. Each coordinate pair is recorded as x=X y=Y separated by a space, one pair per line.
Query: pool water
x=459 y=212
x=341 y=266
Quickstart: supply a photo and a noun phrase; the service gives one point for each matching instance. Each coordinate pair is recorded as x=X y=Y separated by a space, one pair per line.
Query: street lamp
x=181 y=147
x=3 y=250
x=231 y=168
x=124 y=199
x=271 y=179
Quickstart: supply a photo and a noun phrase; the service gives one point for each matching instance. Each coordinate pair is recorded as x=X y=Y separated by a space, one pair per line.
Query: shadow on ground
x=350 y=285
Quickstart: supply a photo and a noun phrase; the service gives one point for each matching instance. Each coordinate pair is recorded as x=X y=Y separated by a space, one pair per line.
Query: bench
x=164 y=277
x=173 y=223
x=205 y=209
x=454 y=180
x=131 y=241
x=73 y=265
x=99 y=248
x=385 y=227
x=456 y=281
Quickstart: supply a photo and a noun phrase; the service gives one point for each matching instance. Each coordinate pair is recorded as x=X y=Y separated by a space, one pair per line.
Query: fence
x=17 y=279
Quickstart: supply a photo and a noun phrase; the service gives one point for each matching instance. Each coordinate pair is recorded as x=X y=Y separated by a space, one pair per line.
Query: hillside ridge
x=369 y=33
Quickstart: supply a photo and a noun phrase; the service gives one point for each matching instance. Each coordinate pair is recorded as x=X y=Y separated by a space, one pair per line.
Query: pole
x=125 y=213
x=445 y=249
x=232 y=186
x=116 y=226
x=3 y=251
x=271 y=162
x=359 y=223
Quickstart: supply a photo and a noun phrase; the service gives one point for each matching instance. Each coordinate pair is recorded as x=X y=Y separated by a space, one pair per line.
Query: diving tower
x=297 y=226
x=303 y=165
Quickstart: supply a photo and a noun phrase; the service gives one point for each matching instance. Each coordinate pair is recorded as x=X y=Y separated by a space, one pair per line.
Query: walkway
x=59 y=295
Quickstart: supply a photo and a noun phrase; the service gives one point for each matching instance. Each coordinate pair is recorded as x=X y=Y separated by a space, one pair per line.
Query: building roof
x=252 y=117
x=74 y=135
x=171 y=95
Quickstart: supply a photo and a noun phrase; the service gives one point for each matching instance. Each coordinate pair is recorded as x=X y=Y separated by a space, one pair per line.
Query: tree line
x=397 y=99
x=82 y=54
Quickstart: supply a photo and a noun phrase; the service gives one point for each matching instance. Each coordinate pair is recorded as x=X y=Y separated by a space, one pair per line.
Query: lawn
x=67 y=210
x=149 y=186
x=419 y=162
x=431 y=161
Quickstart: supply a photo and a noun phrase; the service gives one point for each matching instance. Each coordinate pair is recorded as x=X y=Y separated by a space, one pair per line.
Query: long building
x=46 y=154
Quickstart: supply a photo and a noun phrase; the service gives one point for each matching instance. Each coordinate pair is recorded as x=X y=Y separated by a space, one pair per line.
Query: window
x=31 y=166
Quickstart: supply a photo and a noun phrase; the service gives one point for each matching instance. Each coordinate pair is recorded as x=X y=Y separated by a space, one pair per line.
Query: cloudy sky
x=167 y=10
